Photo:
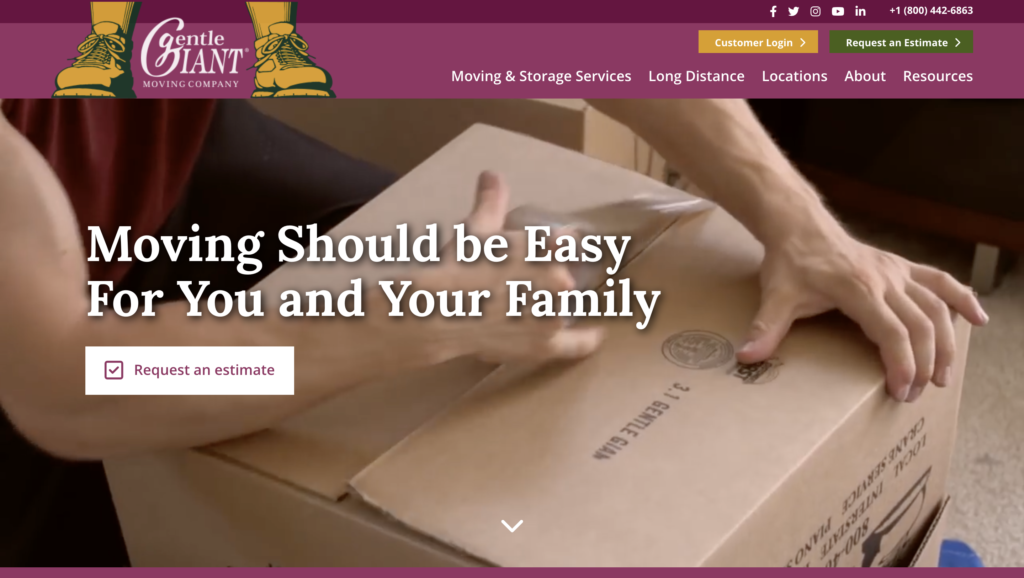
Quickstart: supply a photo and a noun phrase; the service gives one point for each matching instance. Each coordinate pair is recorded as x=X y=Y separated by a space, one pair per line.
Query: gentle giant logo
x=697 y=350
x=703 y=350
x=173 y=58
x=202 y=53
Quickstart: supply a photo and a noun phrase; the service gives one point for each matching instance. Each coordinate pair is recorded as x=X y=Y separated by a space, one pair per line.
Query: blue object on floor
x=956 y=554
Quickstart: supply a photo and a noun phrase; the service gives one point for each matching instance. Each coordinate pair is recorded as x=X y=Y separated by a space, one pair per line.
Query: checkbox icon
x=113 y=370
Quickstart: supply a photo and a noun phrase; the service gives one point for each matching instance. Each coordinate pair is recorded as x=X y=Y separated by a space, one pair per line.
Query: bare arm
x=43 y=306
x=811 y=264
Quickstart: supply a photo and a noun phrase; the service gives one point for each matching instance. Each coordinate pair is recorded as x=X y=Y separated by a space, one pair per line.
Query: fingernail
x=903 y=393
x=915 y=393
x=945 y=377
x=487 y=180
x=984 y=316
x=746 y=347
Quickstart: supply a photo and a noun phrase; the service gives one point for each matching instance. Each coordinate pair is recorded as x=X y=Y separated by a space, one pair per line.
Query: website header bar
x=567 y=60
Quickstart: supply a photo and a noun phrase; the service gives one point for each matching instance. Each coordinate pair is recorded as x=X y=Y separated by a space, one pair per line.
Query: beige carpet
x=988 y=466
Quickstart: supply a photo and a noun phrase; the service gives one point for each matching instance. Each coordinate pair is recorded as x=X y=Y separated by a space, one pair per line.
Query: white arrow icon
x=512 y=528
x=802 y=42
x=957 y=42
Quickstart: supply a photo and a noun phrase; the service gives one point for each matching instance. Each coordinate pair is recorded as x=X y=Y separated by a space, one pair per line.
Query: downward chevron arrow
x=512 y=528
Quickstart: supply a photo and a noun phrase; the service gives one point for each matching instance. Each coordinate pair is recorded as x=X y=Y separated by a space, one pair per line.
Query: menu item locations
x=558 y=78
x=796 y=76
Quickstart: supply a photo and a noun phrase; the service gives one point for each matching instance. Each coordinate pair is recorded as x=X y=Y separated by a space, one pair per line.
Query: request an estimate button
x=189 y=371
x=758 y=41
x=901 y=41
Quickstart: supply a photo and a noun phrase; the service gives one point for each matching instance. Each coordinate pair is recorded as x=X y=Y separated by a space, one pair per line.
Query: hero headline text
x=402 y=296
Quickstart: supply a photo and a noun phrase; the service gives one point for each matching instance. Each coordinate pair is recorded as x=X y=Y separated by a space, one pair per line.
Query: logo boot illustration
x=103 y=67
x=284 y=67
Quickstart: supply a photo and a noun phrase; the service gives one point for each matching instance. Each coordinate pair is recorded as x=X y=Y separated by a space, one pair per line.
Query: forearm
x=45 y=329
x=44 y=386
x=722 y=147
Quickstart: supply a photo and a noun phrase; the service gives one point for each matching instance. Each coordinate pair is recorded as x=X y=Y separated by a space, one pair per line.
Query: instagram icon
x=815 y=11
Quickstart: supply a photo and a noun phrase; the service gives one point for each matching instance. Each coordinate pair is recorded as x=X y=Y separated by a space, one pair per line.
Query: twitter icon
x=793 y=11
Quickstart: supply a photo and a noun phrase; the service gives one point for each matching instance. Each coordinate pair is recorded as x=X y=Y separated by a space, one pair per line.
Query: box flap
x=927 y=556
x=649 y=453
x=322 y=449
x=400 y=134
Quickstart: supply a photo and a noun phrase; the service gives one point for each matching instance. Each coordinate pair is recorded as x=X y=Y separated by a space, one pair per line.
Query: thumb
x=490 y=205
x=770 y=326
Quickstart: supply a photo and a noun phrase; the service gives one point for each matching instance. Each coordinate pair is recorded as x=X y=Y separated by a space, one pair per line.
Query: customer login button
x=758 y=41
x=189 y=371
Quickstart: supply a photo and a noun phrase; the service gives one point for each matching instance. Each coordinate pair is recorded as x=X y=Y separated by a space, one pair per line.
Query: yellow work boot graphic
x=103 y=69
x=284 y=68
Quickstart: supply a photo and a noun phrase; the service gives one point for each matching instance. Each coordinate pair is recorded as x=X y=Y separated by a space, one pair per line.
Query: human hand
x=903 y=307
x=494 y=336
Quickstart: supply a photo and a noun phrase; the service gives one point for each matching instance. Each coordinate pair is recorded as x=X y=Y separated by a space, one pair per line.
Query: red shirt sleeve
x=122 y=162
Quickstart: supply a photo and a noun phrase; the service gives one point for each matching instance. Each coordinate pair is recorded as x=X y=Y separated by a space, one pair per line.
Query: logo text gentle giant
x=209 y=57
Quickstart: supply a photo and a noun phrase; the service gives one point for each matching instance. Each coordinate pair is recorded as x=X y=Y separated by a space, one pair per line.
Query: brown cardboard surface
x=323 y=449
x=195 y=509
x=730 y=473
x=740 y=468
x=400 y=134
x=277 y=497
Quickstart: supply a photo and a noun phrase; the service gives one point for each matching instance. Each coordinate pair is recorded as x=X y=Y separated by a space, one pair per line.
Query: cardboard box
x=400 y=134
x=657 y=451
